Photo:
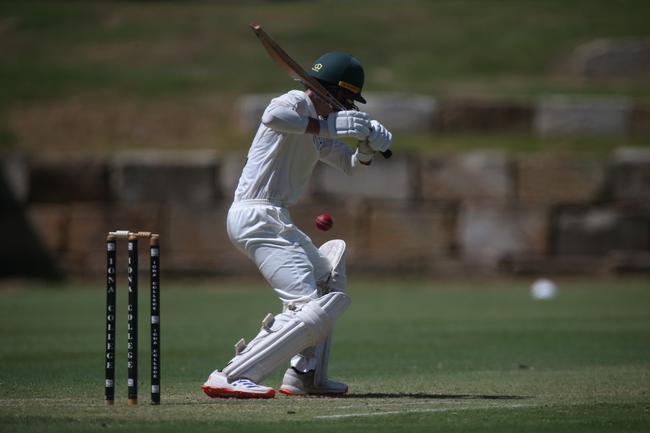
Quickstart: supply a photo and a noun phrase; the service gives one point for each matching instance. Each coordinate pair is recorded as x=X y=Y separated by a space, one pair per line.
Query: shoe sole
x=215 y=392
x=287 y=391
x=296 y=393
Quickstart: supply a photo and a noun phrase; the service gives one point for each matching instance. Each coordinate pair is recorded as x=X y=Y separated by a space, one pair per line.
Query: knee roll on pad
x=320 y=314
x=292 y=332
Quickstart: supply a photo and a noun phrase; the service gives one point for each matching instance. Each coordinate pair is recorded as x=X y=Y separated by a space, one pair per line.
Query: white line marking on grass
x=422 y=410
x=386 y=404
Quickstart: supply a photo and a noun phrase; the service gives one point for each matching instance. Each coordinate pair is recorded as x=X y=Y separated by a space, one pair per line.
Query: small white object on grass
x=543 y=289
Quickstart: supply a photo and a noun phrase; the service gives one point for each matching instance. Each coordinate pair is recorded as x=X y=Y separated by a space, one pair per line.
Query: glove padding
x=380 y=138
x=346 y=124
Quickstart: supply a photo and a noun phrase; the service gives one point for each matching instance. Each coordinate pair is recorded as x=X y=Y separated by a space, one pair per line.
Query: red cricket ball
x=324 y=221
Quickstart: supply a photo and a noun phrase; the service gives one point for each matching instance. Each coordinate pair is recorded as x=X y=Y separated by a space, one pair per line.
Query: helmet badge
x=317 y=67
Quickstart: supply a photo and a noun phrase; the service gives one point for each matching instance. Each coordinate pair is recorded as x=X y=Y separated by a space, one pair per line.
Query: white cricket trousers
x=285 y=255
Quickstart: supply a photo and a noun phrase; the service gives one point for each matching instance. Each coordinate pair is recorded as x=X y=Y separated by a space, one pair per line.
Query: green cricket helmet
x=341 y=74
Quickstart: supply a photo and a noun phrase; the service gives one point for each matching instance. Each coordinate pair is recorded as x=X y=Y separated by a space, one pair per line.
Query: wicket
x=132 y=314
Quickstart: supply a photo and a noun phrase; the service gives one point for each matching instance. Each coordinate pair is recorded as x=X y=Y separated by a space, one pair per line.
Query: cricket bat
x=296 y=71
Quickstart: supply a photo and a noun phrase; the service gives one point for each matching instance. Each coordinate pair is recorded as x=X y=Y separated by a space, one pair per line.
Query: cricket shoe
x=296 y=383
x=218 y=385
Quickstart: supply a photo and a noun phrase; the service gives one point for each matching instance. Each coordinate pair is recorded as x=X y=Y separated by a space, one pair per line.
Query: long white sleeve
x=339 y=155
x=282 y=116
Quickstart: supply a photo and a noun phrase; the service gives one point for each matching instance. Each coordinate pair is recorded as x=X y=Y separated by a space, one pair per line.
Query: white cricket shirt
x=280 y=164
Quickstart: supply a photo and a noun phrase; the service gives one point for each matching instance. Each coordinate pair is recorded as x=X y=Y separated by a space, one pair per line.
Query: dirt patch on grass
x=101 y=124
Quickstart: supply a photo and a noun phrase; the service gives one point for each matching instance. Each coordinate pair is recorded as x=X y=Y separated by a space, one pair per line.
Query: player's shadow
x=422 y=395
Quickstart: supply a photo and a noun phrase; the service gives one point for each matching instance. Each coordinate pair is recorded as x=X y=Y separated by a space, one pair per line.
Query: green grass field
x=154 y=49
x=418 y=356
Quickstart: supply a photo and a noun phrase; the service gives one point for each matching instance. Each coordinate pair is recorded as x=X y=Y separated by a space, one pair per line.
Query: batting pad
x=290 y=333
x=334 y=250
x=317 y=358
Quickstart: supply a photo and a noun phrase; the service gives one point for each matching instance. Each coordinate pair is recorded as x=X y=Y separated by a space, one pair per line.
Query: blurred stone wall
x=546 y=116
x=440 y=214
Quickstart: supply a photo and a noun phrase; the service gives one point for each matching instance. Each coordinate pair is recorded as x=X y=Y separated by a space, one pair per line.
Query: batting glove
x=380 y=138
x=346 y=124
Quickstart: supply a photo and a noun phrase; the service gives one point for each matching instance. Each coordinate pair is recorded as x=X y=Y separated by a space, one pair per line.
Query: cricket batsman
x=298 y=129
